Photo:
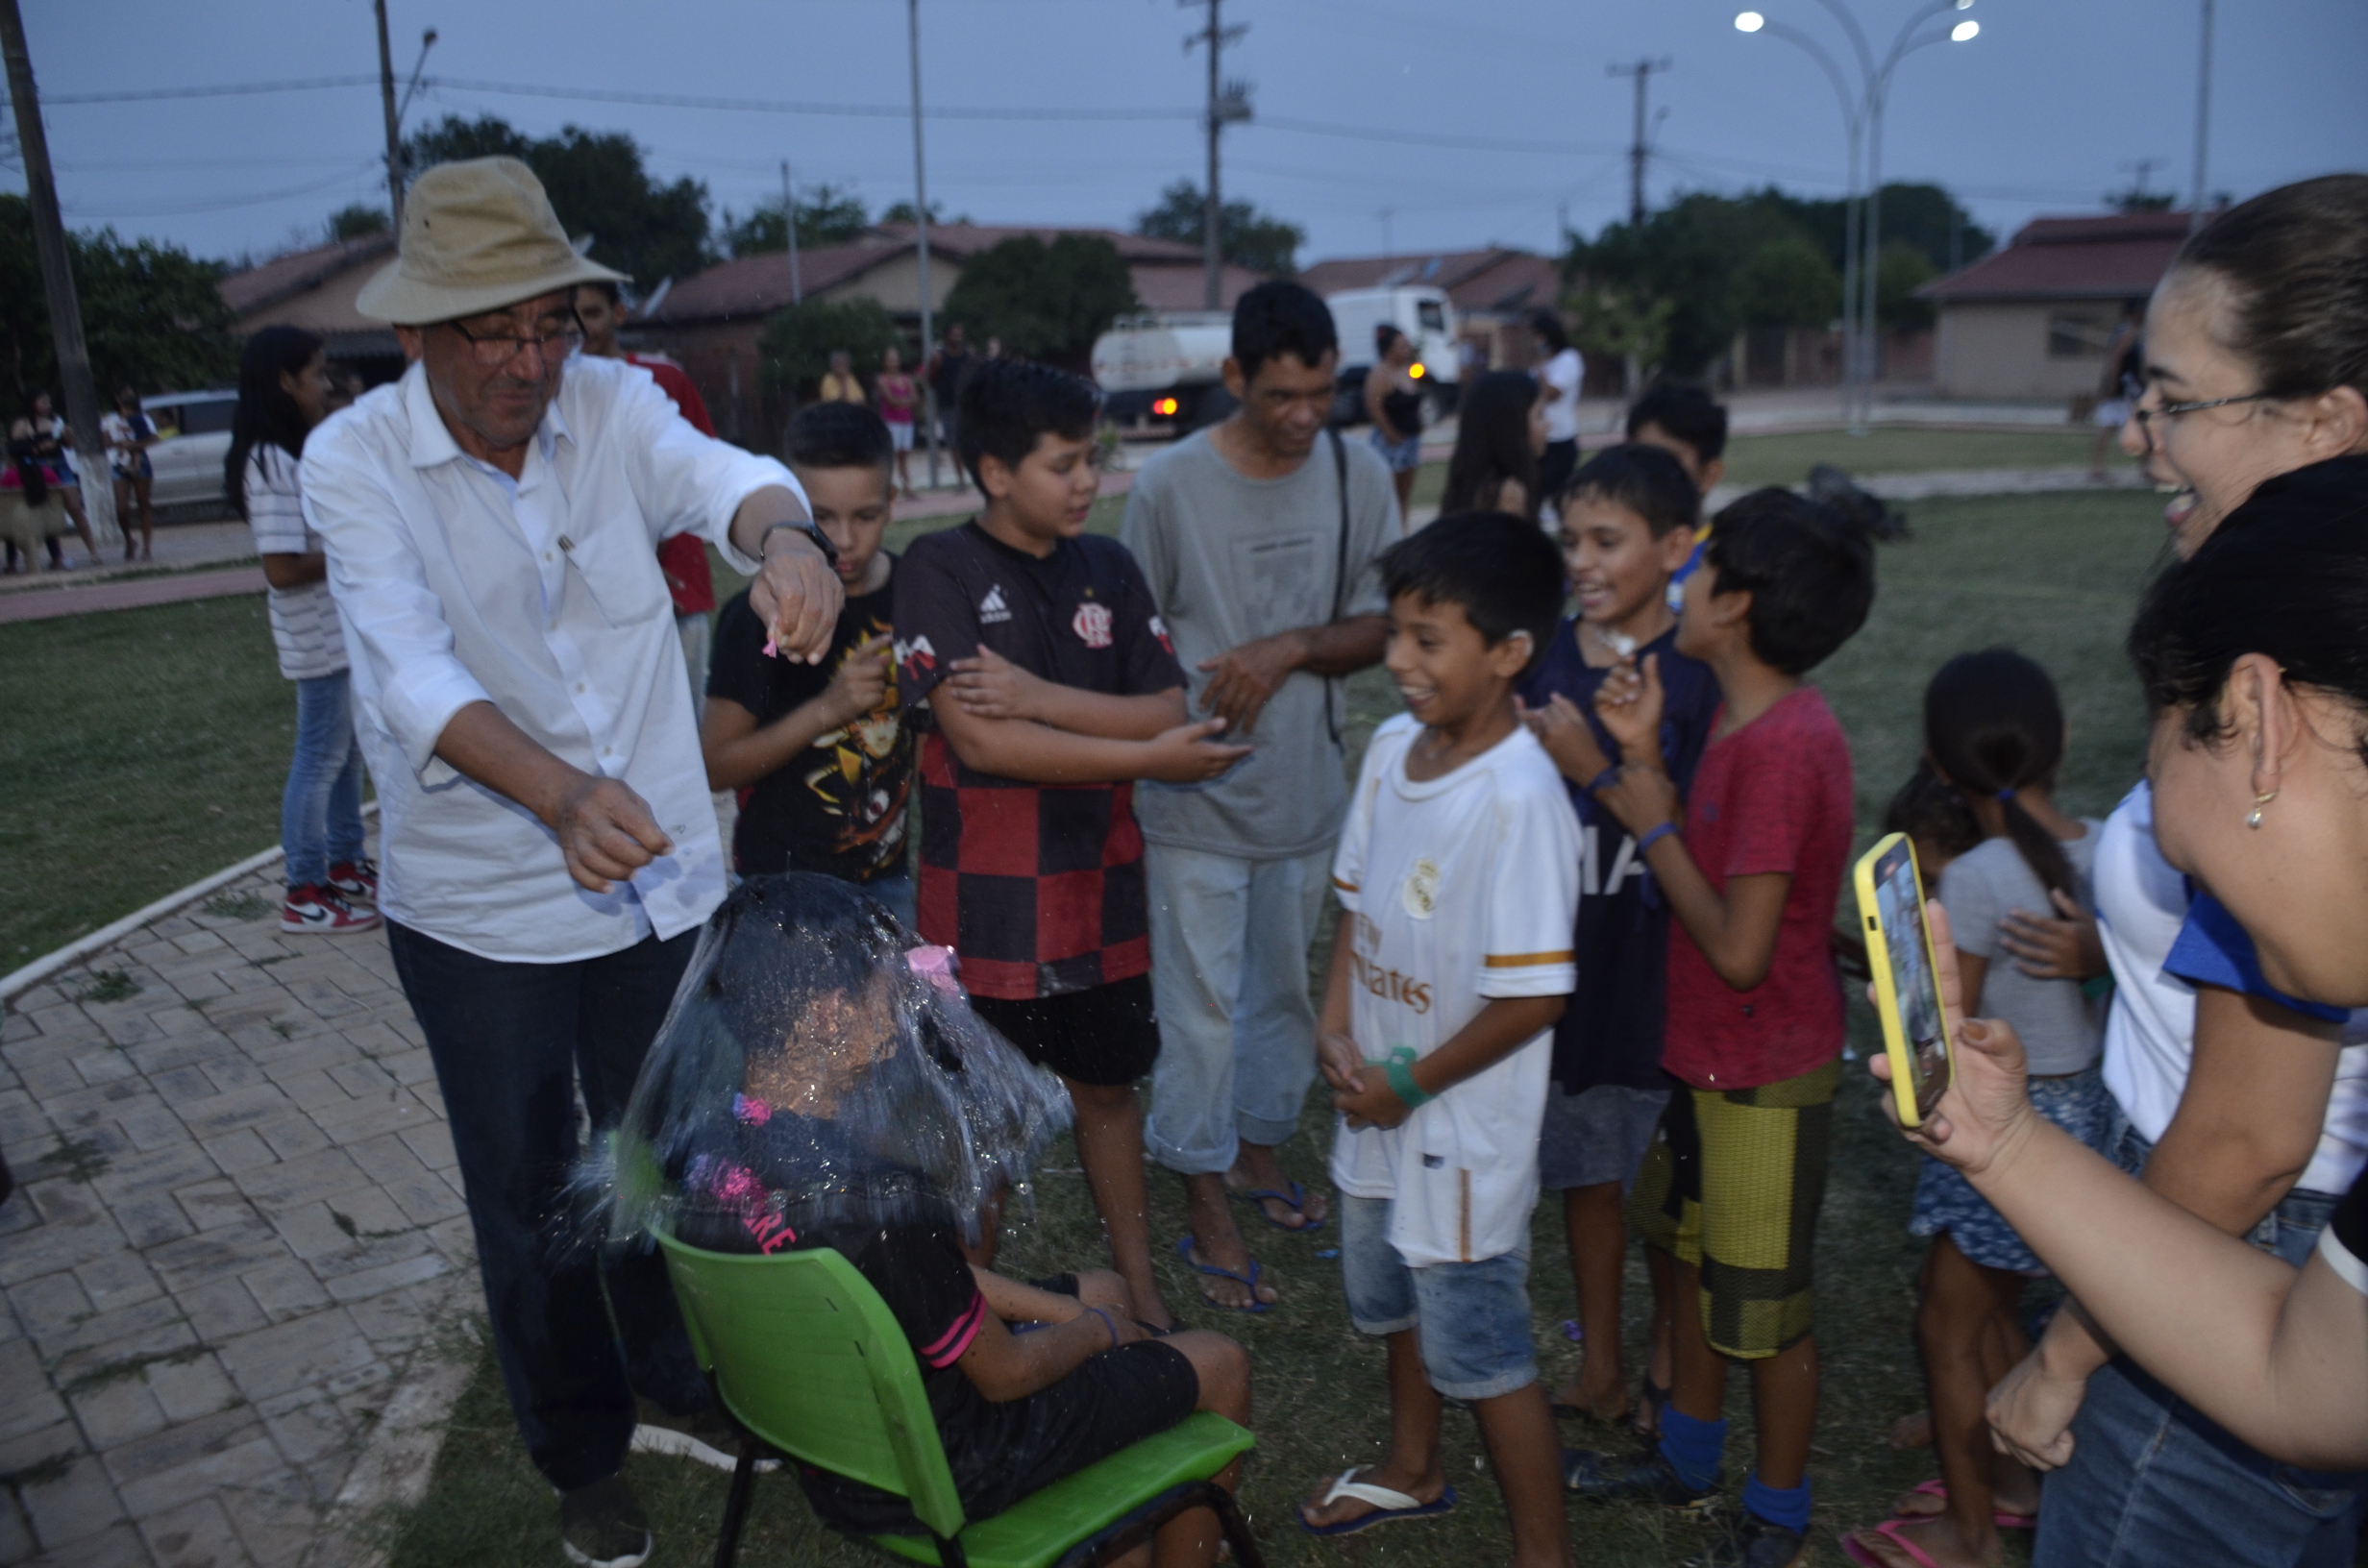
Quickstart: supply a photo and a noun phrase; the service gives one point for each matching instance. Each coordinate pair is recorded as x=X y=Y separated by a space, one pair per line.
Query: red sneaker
x=355 y=880
x=324 y=909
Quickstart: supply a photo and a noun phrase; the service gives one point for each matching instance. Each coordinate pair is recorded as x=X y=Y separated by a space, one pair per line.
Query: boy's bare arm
x=1737 y=932
x=1495 y=1032
x=739 y=752
x=991 y=686
x=1337 y=1055
x=1037 y=753
x=1005 y=1366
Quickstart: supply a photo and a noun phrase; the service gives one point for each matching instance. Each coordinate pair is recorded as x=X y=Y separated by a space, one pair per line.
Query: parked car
x=194 y=430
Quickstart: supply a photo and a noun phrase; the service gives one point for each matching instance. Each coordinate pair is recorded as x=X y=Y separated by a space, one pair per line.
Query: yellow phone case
x=1913 y=1107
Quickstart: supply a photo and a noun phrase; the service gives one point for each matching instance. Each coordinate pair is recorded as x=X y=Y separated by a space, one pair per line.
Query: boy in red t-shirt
x=1732 y=1186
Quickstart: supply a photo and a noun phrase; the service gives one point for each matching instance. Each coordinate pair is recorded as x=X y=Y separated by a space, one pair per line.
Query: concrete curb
x=82 y=947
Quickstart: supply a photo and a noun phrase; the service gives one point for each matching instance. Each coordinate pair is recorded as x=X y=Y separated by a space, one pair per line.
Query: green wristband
x=1400 y=1072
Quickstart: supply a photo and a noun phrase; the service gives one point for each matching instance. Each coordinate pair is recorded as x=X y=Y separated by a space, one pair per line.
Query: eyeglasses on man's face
x=555 y=337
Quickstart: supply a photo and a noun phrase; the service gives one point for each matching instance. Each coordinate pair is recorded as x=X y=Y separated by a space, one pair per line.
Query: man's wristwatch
x=810 y=529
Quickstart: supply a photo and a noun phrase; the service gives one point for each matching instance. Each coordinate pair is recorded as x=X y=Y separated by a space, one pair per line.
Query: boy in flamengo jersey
x=1458 y=875
x=1031 y=653
x=1732 y=1188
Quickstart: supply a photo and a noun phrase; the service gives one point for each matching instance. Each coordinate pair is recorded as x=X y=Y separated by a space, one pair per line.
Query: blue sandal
x=1389 y=1506
x=1295 y=1199
x=1184 y=1250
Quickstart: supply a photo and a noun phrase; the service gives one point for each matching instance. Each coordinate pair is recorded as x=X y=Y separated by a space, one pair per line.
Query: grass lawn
x=2054 y=576
x=143 y=749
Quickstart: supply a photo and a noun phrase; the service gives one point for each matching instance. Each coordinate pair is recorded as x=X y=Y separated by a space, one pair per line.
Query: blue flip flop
x=1296 y=1198
x=1388 y=1506
x=1184 y=1250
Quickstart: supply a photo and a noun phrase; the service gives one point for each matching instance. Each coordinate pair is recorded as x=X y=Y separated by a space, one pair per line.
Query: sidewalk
x=234 y=1271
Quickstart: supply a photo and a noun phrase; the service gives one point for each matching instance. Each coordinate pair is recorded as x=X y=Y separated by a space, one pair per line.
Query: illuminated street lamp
x=1864 y=121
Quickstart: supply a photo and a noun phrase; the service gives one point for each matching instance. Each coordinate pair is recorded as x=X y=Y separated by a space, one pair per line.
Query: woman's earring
x=2259 y=801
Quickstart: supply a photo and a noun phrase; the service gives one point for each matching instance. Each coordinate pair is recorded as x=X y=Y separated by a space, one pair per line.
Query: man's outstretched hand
x=1243 y=681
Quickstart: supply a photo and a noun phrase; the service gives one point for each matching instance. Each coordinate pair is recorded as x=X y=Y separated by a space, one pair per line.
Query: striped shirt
x=304 y=619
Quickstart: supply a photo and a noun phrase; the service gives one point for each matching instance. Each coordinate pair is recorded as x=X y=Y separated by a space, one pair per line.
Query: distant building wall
x=2037 y=350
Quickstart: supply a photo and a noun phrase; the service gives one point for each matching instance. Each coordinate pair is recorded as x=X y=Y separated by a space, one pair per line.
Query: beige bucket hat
x=477 y=236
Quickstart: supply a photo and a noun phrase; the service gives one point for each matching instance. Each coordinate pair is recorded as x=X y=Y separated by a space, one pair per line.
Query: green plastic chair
x=810 y=1362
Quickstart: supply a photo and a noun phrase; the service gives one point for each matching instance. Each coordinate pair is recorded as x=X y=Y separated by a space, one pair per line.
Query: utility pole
x=394 y=121
x=1228 y=102
x=2202 y=124
x=1643 y=72
x=65 y=318
x=789 y=226
x=921 y=230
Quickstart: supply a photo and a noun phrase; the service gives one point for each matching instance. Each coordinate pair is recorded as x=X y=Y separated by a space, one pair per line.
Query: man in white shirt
x=549 y=851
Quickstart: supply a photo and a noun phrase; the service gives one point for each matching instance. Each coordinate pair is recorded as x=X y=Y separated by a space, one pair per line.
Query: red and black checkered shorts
x=1038 y=888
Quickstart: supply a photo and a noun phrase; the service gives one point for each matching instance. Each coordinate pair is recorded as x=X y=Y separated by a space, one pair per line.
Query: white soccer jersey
x=1463 y=889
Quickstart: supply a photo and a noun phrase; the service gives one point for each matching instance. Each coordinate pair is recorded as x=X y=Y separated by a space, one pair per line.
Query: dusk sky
x=2049 y=108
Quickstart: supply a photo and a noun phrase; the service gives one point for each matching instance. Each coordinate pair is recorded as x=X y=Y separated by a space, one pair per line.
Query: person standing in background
x=284 y=392
x=2122 y=384
x=1394 y=403
x=898 y=394
x=53 y=441
x=1499 y=436
x=1563 y=374
x=128 y=434
x=948 y=372
x=840 y=384
x=683 y=559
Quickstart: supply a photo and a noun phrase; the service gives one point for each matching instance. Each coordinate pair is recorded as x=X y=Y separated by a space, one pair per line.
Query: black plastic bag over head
x=820 y=1069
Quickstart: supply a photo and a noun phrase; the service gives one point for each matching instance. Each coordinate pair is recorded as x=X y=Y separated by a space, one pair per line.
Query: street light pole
x=1878 y=98
x=2202 y=123
x=1853 y=129
x=920 y=234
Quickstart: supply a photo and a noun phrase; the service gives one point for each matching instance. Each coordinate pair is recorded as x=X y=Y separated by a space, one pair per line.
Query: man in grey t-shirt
x=1265 y=578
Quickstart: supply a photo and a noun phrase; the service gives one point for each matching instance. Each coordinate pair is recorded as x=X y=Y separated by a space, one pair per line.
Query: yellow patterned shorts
x=1732 y=1186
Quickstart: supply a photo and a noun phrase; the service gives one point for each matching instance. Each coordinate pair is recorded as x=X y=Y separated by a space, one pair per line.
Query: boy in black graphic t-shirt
x=1033 y=657
x=819 y=754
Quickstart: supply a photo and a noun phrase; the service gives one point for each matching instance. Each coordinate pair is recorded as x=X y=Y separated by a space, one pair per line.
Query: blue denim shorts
x=1945 y=1201
x=1400 y=456
x=1473 y=1317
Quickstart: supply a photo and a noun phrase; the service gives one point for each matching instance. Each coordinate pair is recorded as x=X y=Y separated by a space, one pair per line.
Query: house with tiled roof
x=2031 y=319
x=710 y=321
x=314 y=289
x=1494 y=289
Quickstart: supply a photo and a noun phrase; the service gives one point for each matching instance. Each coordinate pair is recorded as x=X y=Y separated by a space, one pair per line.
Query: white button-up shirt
x=540 y=595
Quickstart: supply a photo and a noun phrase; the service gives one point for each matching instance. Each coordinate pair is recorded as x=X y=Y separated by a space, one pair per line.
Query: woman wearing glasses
x=2241 y=1104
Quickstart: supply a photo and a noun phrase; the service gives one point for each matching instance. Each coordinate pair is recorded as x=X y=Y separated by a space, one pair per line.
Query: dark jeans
x=511 y=1042
x=2151 y=1480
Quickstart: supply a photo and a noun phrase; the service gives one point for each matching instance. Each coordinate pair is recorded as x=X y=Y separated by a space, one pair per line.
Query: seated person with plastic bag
x=821 y=1081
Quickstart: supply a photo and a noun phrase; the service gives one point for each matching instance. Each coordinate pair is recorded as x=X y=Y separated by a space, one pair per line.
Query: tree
x=355 y=220
x=828 y=216
x=1616 y=324
x=1900 y=270
x=598 y=186
x=906 y=212
x=152 y=313
x=799 y=339
x=1246 y=236
x=1046 y=302
x=1788 y=283
x=2138 y=198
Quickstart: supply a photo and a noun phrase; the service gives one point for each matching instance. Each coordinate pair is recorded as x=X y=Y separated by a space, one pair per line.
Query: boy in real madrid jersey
x=1033 y=659
x=1458 y=881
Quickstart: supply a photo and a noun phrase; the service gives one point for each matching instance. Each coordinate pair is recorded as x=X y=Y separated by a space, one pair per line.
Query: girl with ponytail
x=1994 y=731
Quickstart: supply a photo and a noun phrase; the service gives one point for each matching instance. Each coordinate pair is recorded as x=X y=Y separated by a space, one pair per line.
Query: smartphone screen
x=1907 y=945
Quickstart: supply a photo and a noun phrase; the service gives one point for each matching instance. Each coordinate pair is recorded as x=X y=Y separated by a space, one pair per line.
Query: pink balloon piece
x=771 y=651
x=938 y=965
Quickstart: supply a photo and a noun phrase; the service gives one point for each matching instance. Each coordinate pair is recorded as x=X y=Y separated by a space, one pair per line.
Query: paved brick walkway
x=238 y=1231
